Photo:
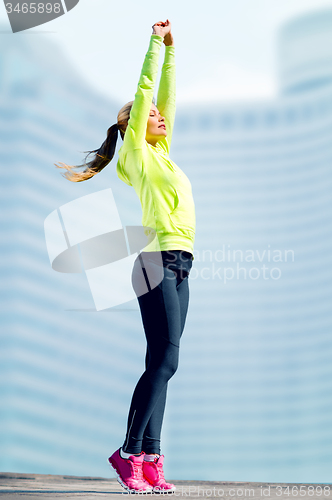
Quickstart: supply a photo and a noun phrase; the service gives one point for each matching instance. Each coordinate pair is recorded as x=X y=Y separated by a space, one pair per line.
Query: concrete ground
x=18 y=486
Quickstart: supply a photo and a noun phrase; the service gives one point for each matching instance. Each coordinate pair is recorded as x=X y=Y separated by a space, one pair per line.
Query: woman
x=168 y=207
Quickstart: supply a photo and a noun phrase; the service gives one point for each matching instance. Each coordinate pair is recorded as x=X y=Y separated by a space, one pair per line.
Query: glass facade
x=254 y=382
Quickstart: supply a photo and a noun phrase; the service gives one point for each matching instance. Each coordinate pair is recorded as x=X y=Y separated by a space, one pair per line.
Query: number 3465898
x=33 y=8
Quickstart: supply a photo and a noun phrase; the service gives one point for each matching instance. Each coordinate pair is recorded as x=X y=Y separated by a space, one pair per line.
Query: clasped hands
x=164 y=29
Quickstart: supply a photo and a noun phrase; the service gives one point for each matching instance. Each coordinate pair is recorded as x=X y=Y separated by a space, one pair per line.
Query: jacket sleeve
x=167 y=93
x=135 y=134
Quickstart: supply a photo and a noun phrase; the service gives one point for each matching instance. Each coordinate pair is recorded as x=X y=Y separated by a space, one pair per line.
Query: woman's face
x=156 y=128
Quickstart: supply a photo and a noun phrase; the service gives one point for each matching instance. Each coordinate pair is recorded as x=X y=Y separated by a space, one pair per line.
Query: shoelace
x=137 y=471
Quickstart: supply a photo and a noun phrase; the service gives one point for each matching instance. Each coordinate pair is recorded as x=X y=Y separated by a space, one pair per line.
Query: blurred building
x=255 y=358
x=59 y=410
x=254 y=380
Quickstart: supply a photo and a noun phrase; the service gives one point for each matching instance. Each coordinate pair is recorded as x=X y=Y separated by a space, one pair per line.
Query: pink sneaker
x=154 y=474
x=130 y=473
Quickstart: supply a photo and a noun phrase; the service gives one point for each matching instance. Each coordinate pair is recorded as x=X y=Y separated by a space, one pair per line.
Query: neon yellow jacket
x=163 y=188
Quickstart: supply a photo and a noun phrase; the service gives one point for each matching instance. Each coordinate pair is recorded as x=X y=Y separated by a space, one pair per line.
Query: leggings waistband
x=176 y=260
x=174 y=255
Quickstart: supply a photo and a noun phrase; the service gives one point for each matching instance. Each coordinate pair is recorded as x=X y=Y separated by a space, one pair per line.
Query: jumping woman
x=167 y=206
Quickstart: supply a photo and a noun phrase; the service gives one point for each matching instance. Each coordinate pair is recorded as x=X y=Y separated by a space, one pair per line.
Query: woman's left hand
x=168 y=39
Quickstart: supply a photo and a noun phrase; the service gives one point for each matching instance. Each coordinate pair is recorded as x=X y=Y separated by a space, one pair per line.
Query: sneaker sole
x=156 y=489
x=124 y=485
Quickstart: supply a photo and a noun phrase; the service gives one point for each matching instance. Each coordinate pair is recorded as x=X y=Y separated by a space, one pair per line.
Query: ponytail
x=104 y=154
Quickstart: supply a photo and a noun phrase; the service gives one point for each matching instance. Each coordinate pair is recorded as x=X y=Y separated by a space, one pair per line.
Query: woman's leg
x=152 y=432
x=151 y=436
x=163 y=312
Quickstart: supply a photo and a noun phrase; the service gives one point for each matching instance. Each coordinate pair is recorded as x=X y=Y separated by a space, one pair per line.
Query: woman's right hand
x=161 y=28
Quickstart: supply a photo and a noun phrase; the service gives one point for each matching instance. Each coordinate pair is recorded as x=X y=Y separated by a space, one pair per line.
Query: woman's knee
x=170 y=365
x=164 y=363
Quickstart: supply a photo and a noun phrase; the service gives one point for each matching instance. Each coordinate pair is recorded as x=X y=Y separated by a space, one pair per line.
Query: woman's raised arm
x=136 y=130
x=167 y=91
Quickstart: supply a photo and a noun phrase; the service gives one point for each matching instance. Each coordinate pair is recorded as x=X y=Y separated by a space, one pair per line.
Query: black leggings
x=164 y=309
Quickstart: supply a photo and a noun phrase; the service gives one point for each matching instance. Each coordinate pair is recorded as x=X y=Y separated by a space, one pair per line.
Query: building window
x=182 y=123
x=270 y=118
x=307 y=113
x=249 y=120
x=226 y=121
x=205 y=122
x=323 y=108
x=290 y=115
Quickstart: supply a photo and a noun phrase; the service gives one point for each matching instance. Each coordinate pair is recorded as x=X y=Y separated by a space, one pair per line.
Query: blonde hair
x=104 y=154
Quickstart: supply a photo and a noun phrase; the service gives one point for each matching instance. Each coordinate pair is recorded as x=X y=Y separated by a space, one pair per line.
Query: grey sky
x=225 y=49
